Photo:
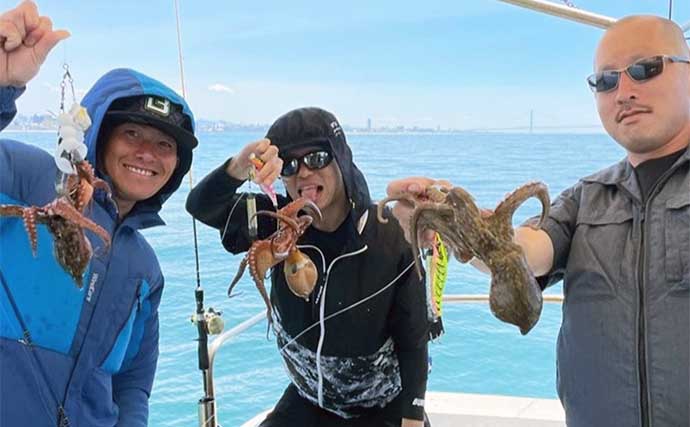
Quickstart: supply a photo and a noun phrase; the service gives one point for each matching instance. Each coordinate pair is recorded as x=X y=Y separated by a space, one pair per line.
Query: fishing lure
x=437 y=268
x=70 y=148
x=267 y=189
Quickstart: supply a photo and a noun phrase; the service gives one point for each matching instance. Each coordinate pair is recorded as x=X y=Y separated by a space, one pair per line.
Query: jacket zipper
x=645 y=413
x=641 y=322
x=322 y=313
x=77 y=356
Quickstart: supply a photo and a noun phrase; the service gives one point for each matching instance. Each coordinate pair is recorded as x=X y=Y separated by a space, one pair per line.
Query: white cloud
x=221 y=88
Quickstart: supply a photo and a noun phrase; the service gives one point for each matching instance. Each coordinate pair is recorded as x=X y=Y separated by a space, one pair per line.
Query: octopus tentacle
x=238 y=275
x=29 y=216
x=65 y=220
x=457 y=241
x=382 y=204
x=436 y=193
x=83 y=196
x=419 y=221
x=11 y=210
x=99 y=184
x=506 y=208
x=303 y=222
x=293 y=208
x=470 y=232
x=67 y=211
x=260 y=260
x=86 y=173
x=267 y=253
x=310 y=205
x=279 y=216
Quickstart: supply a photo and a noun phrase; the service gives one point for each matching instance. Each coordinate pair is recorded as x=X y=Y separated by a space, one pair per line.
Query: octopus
x=64 y=218
x=471 y=232
x=281 y=246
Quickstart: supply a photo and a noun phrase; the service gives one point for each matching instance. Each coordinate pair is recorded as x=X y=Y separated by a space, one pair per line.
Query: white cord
x=353 y=305
x=227 y=221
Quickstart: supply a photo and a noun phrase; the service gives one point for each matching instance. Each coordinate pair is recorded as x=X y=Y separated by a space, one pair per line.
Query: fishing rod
x=207 y=320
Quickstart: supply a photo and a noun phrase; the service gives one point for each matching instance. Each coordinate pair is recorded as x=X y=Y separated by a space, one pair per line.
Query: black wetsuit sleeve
x=212 y=200
x=414 y=365
x=410 y=326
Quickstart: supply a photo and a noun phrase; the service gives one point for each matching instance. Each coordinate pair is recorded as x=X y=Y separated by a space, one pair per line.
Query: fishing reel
x=213 y=322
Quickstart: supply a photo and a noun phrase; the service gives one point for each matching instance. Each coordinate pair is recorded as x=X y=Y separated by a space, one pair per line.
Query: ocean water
x=478 y=354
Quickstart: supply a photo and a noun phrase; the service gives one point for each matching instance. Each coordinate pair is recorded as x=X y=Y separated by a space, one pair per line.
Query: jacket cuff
x=414 y=368
x=8 y=107
x=220 y=179
x=560 y=242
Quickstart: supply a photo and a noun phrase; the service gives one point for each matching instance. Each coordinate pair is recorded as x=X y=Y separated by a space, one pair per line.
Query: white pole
x=565 y=12
x=685 y=27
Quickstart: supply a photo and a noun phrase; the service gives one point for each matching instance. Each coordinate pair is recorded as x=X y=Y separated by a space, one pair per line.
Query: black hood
x=314 y=126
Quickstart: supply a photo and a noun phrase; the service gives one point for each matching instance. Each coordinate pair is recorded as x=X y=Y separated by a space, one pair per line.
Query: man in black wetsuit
x=367 y=365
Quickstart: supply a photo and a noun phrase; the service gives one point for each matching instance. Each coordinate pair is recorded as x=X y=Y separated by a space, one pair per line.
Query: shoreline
x=373 y=133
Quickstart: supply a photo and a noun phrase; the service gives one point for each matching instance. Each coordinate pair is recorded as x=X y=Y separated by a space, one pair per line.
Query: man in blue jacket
x=85 y=356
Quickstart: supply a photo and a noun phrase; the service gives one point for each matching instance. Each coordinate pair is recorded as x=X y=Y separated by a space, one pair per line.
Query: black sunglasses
x=640 y=71
x=314 y=160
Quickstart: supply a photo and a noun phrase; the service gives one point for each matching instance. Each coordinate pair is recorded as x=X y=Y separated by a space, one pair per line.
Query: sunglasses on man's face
x=313 y=161
x=640 y=71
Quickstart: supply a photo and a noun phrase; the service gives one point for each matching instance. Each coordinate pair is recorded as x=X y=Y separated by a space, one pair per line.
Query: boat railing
x=565 y=11
x=207 y=407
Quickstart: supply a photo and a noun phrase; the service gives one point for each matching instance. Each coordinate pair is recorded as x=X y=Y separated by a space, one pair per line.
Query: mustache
x=630 y=108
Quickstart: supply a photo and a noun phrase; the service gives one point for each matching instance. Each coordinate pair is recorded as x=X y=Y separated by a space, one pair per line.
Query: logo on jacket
x=92 y=287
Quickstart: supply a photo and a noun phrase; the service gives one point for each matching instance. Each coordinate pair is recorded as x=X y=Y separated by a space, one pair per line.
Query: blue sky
x=463 y=64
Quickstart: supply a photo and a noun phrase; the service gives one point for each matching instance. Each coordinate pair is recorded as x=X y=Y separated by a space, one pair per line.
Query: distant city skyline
x=48 y=122
x=479 y=64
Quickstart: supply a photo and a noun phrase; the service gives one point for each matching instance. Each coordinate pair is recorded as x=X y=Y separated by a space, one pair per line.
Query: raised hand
x=263 y=150
x=26 y=38
x=402 y=210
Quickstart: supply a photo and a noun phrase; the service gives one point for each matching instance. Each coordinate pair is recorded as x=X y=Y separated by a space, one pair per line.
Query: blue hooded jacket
x=86 y=356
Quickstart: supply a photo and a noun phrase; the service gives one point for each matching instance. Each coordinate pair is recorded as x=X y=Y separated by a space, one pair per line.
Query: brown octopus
x=300 y=272
x=469 y=231
x=64 y=217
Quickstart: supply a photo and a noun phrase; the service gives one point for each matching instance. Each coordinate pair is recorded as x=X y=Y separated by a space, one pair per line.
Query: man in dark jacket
x=366 y=362
x=620 y=241
x=85 y=356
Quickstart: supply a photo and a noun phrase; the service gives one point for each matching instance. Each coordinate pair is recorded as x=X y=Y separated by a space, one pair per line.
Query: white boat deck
x=479 y=410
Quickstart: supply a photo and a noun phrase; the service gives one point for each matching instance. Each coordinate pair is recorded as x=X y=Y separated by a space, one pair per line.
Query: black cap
x=158 y=112
x=305 y=127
